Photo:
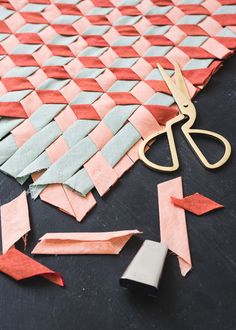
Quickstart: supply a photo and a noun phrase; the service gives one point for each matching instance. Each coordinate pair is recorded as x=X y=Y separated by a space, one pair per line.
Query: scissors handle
x=175 y=162
x=145 y=144
x=188 y=131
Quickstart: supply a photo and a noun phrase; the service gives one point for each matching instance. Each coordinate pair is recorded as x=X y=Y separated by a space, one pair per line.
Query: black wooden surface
x=92 y=298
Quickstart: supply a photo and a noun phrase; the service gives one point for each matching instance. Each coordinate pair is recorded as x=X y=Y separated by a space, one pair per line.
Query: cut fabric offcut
x=19 y=266
x=80 y=87
x=84 y=243
x=172 y=219
x=15 y=223
x=196 y=203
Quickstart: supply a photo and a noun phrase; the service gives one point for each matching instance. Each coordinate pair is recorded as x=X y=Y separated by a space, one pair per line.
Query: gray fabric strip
x=31 y=150
x=66 y=166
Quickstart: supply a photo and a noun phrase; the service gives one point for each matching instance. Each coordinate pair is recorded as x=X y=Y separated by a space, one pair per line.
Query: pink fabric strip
x=54 y=194
x=65 y=118
x=83 y=243
x=144 y=122
x=23 y=132
x=57 y=149
x=173 y=227
x=216 y=48
x=123 y=165
x=101 y=173
x=14 y=221
x=101 y=135
x=80 y=205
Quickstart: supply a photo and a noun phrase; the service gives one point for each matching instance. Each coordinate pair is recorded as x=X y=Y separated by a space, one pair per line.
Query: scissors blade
x=180 y=81
x=179 y=96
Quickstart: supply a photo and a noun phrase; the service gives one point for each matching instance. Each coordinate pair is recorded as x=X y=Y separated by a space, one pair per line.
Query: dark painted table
x=92 y=298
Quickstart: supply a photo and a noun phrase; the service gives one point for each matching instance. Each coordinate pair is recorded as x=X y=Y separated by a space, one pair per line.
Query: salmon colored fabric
x=101 y=173
x=20 y=267
x=196 y=203
x=173 y=227
x=15 y=222
x=83 y=243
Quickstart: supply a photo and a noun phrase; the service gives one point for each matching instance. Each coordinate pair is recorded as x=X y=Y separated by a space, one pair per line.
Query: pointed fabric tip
x=173 y=227
x=15 y=223
x=19 y=266
x=196 y=203
x=84 y=243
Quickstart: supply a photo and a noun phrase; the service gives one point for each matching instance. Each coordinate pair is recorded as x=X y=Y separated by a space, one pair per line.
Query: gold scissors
x=186 y=110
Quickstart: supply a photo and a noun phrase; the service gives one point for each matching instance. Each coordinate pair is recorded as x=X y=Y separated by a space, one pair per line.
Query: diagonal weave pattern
x=79 y=85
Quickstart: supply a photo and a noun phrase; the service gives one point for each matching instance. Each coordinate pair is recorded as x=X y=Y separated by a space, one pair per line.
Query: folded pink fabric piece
x=84 y=243
x=173 y=223
x=15 y=221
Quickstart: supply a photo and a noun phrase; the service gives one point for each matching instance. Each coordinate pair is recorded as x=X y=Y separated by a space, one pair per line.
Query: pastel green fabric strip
x=80 y=182
x=63 y=40
x=159 y=30
x=78 y=131
x=21 y=71
x=31 y=7
x=15 y=96
x=117 y=117
x=197 y=63
x=72 y=135
x=66 y=166
x=57 y=60
x=225 y=32
x=193 y=41
x=100 y=11
x=53 y=84
x=96 y=30
x=124 y=62
x=89 y=73
x=31 y=150
x=161 y=99
x=156 y=10
x=157 y=50
x=7 y=148
x=191 y=19
x=117 y=147
x=4 y=13
x=42 y=162
x=125 y=41
x=25 y=49
x=7 y=124
x=31 y=28
x=228 y=9
x=123 y=86
x=66 y=19
x=45 y=114
x=128 y=20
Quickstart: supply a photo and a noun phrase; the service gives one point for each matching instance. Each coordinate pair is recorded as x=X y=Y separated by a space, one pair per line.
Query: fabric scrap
x=196 y=203
x=15 y=223
x=19 y=266
x=173 y=227
x=84 y=243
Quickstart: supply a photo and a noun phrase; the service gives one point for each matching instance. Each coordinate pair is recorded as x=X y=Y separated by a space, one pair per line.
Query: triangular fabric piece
x=196 y=203
x=19 y=266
